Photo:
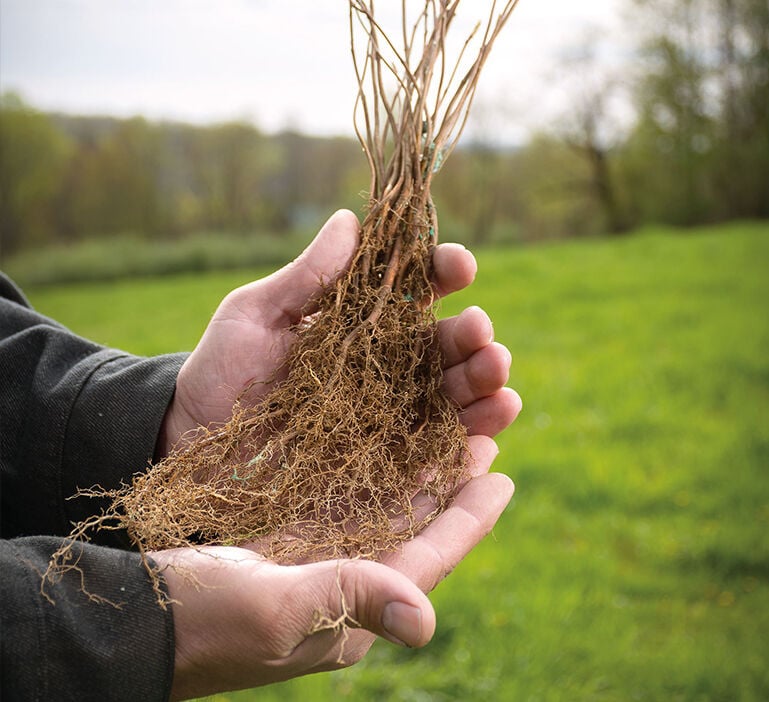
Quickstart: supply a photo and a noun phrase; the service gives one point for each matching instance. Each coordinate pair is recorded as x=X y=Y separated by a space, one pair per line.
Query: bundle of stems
x=359 y=447
x=412 y=105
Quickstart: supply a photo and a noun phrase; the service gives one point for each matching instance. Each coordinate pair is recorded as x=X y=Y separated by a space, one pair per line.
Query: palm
x=226 y=633
x=234 y=353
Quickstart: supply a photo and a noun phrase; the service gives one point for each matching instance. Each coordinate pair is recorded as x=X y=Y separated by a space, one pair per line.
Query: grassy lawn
x=633 y=563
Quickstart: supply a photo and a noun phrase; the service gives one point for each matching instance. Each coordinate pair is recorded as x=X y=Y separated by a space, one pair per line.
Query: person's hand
x=242 y=621
x=248 y=337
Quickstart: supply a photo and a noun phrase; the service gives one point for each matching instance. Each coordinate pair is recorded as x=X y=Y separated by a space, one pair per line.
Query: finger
x=491 y=415
x=387 y=603
x=482 y=452
x=454 y=268
x=360 y=594
x=461 y=336
x=434 y=553
x=288 y=291
x=481 y=375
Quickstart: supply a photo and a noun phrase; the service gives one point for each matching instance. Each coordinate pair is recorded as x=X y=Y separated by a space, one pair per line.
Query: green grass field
x=633 y=563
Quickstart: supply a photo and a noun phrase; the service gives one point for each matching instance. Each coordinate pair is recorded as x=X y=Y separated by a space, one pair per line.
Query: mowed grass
x=633 y=563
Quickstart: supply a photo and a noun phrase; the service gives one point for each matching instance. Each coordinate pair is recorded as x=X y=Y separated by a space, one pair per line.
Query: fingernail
x=403 y=623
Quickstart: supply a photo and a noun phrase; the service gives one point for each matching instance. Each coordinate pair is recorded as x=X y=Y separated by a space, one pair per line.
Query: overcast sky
x=276 y=62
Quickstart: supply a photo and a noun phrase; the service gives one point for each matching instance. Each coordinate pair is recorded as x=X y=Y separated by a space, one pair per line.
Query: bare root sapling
x=329 y=462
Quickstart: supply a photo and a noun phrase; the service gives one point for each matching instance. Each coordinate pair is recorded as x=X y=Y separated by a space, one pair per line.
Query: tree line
x=696 y=151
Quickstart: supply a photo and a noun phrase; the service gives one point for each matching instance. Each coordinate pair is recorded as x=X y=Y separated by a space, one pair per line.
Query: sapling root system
x=358 y=447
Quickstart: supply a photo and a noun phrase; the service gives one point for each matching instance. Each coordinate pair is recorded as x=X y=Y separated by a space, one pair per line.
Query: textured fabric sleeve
x=74 y=414
x=76 y=649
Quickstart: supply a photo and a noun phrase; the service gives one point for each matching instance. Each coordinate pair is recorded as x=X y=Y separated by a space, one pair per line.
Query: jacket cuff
x=113 y=427
x=76 y=648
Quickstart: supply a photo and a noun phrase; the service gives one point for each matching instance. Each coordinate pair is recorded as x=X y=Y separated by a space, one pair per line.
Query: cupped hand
x=242 y=621
x=249 y=335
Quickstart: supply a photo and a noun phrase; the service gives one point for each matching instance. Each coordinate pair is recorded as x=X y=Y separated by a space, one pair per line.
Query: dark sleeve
x=75 y=649
x=74 y=414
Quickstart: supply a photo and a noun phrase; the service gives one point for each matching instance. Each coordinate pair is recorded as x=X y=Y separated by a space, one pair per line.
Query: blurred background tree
x=699 y=150
x=33 y=159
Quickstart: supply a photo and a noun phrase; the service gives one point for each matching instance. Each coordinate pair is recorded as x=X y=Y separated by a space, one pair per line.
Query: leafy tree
x=742 y=74
x=673 y=140
x=590 y=127
x=229 y=161
x=33 y=154
x=112 y=185
x=700 y=150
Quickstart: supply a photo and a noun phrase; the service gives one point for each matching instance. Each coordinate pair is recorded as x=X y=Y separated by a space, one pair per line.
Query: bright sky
x=276 y=62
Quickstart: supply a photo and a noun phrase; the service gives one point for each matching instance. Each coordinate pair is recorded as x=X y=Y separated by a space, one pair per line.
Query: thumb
x=376 y=598
x=328 y=255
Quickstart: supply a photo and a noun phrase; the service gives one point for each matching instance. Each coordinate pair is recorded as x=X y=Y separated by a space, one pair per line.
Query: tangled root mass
x=357 y=448
x=327 y=464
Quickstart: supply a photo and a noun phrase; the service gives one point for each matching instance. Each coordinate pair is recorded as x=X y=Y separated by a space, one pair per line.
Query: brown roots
x=358 y=448
x=328 y=463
